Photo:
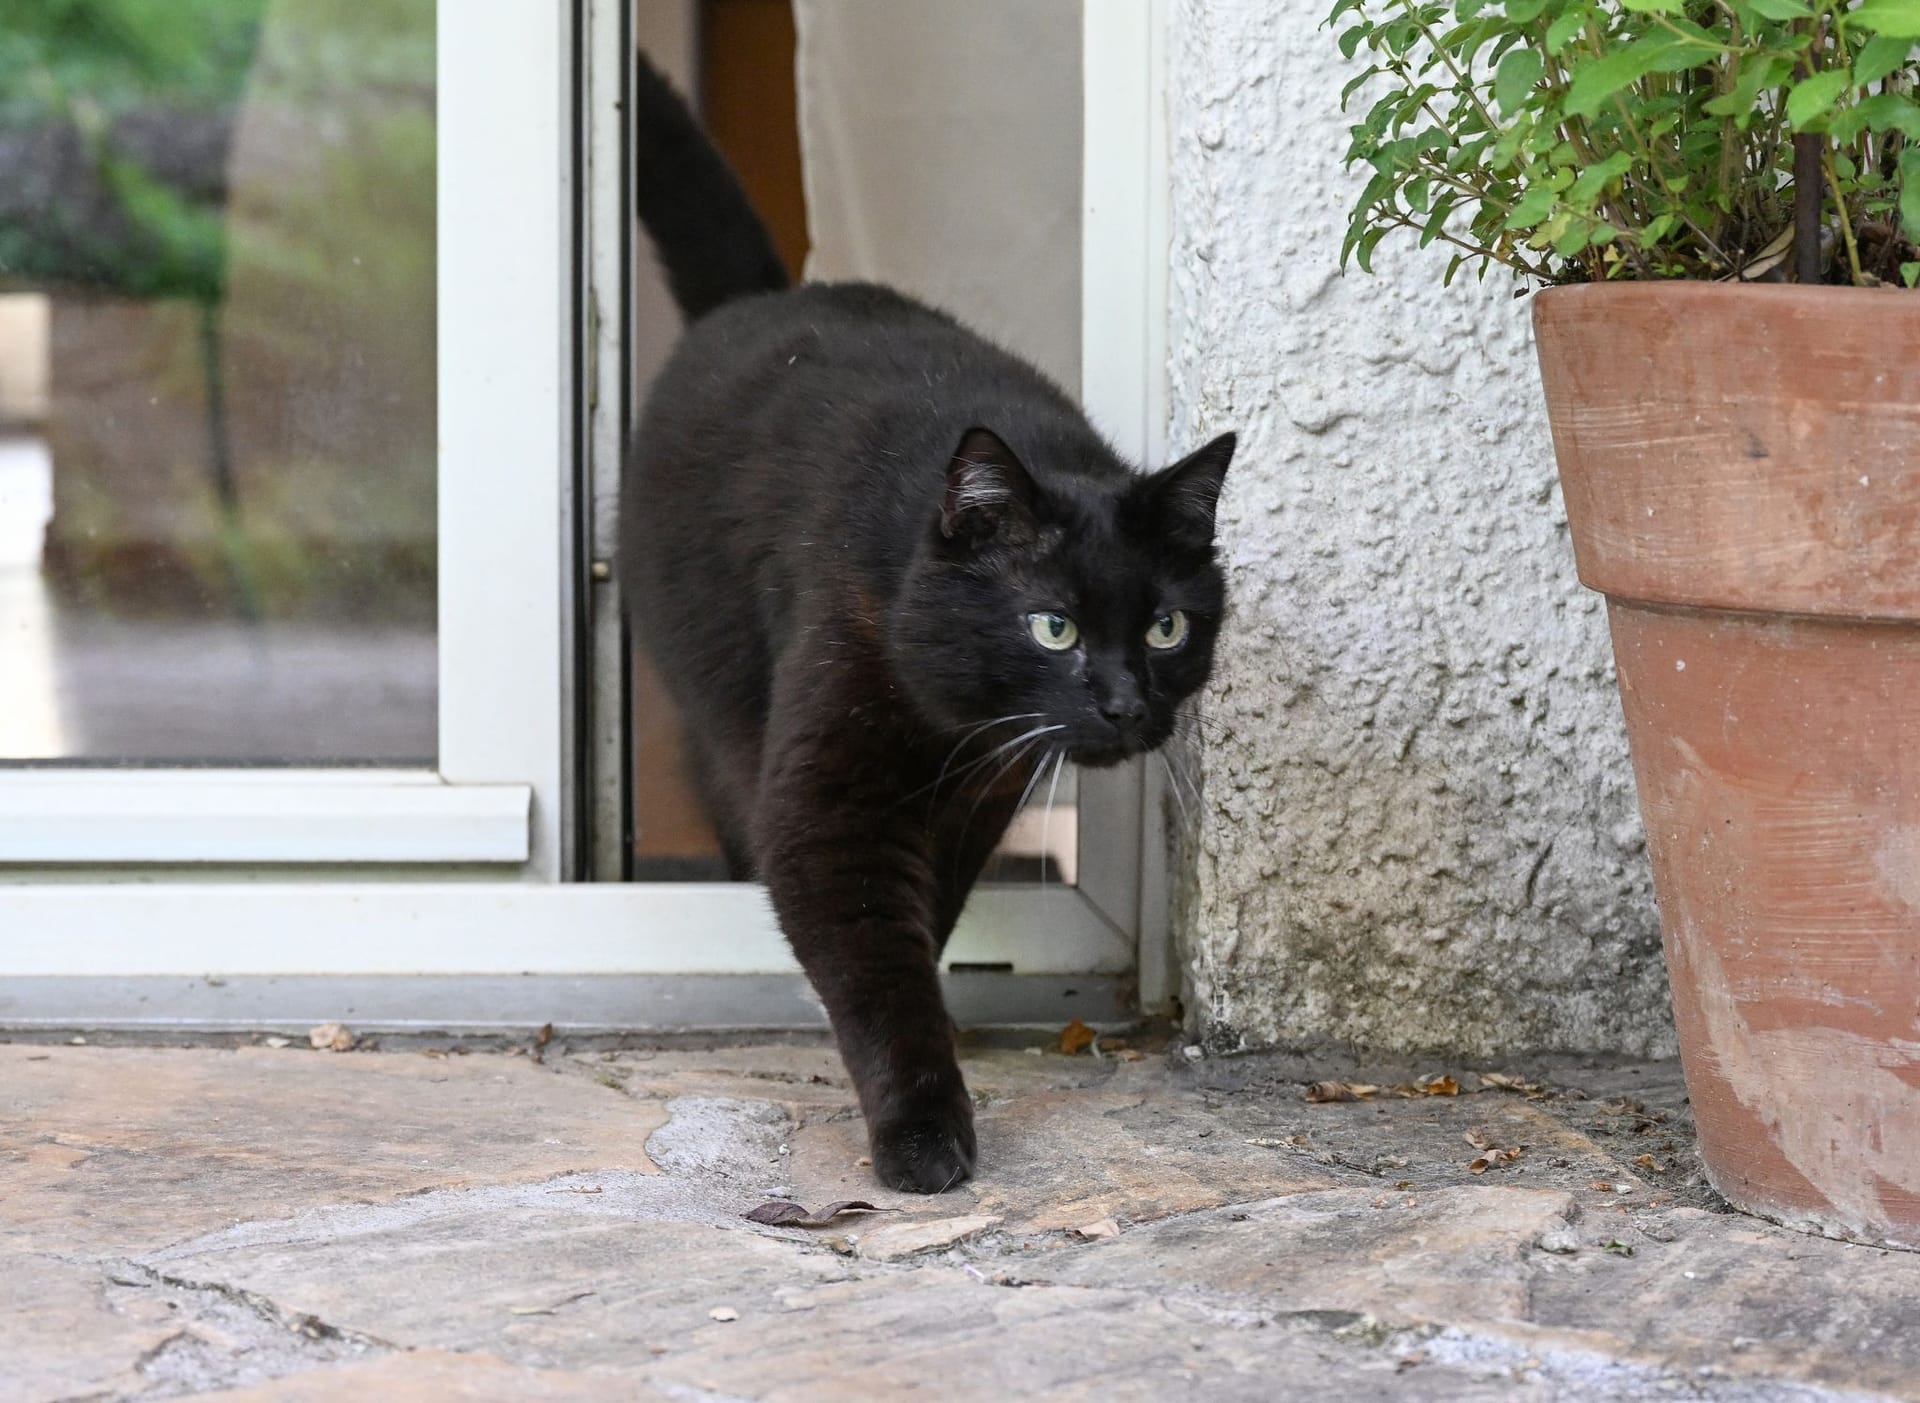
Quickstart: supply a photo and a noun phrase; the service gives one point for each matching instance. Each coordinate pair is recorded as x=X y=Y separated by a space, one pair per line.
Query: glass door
x=313 y=691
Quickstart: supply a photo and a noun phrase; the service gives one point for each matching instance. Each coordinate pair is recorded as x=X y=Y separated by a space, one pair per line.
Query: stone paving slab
x=115 y=1149
x=256 y=1224
x=438 y=1376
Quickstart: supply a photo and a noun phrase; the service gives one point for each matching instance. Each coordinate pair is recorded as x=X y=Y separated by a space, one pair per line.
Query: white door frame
x=267 y=878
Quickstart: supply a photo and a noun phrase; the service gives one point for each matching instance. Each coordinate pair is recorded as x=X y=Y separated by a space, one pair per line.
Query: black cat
x=887 y=572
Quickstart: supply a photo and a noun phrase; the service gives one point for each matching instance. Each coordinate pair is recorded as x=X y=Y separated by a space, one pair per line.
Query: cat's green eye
x=1055 y=632
x=1169 y=630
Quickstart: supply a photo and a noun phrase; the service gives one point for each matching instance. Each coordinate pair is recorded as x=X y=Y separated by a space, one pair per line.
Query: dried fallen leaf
x=1075 y=1038
x=723 y=1313
x=1495 y=1156
x=332 y=1037
x=1440 y=1085
x=544 y=1036
x=1503 y=1081
x=782 y=1213
x=1650 y=1164
x=1106 y=1227
x=277 y=1043
x=1322 y=1092
x=1480 y=1138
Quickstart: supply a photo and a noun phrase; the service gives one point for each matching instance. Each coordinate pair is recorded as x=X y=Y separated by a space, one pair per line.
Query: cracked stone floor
x=429 y=1221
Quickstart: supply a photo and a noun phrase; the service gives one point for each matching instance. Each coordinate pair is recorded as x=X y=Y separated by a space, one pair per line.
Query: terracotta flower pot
x=1741 y=468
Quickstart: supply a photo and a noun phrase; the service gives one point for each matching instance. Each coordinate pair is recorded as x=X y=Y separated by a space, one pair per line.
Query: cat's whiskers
x=1198 y=717
x=1046 y=819
x=1034 y=779
x=1173 y=788
x=987 y=788
x=1015 y=760
x=1018 y=759
x=999 y=750
x=960 y=744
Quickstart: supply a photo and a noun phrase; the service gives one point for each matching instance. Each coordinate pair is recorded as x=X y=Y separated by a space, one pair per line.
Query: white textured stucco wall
x=1417 y=827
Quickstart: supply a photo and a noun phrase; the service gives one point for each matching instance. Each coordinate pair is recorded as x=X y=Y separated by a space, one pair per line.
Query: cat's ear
x=989 y=493
x=1184 y=498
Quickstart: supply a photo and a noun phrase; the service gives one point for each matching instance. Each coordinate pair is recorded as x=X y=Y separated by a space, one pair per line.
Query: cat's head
x=1087 y=604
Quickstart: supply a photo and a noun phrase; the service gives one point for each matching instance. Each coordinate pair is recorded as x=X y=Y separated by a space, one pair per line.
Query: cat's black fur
x=839 y=513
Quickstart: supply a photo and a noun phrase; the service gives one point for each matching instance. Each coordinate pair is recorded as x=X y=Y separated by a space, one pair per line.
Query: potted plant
x=1722 y=198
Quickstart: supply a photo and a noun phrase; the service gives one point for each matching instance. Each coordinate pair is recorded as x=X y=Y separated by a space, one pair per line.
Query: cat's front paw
x=925 y=1147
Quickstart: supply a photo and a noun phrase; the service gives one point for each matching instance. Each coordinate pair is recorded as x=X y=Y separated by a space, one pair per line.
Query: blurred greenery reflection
x=230 y=207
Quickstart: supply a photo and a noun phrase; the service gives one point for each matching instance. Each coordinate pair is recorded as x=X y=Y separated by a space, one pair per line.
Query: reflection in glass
x=217 y=382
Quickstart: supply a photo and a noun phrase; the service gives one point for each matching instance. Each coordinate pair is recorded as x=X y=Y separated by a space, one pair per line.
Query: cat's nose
x=1124 y=708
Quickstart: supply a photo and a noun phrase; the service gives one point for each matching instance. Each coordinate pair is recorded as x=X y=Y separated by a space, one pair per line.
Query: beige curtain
x=942 y=151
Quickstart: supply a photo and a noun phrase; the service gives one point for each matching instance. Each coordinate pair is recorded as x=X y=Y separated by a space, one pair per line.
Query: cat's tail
x=710 y=241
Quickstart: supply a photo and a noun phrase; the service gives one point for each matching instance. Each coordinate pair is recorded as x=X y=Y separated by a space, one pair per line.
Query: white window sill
x=258 y=816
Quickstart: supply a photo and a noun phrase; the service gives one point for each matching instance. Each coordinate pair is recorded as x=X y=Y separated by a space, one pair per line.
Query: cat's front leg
x=853 y=884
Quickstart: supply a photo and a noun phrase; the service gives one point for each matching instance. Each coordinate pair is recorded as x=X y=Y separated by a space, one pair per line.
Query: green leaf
x=1894 y=112
x=1571 y=240
x=1341 y=8
x=1562 y=30
x=1514 y=79
x=1525 y=11
x=1779 y=9
x=1368 y=242
x=1880 y=57
x=1743 y=99
x=1812 y=98
x=1596 y=178
x=1899 y=19
x=1601 y=78
x=1910 y=274
x=1910 y=192
x=1657 y=7
x=1531 y=208
x=1657 y=229
x=1350 y=41
x=1437 y=221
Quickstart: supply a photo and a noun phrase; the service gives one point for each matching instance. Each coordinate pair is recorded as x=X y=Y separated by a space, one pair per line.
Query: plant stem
x=1395 y=217
x=1846 y=224
x=1807 y=179
x=1433 y=43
